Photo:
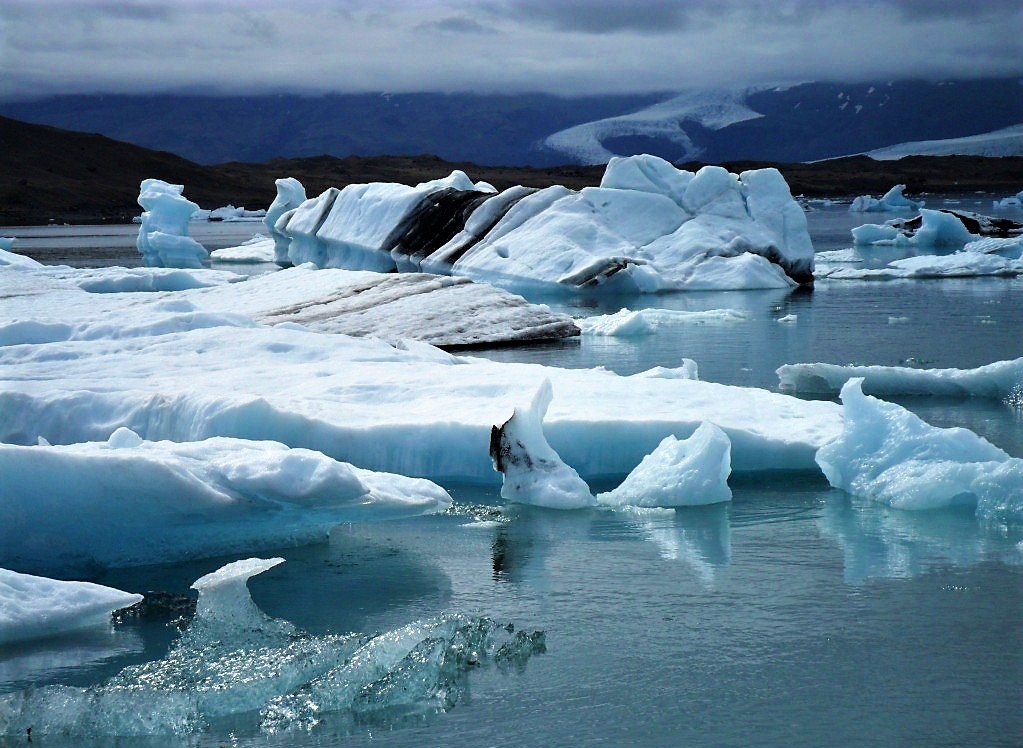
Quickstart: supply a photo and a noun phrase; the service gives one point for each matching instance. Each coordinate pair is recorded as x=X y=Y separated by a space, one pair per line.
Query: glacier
x=34 y=607
x=1001 y=380
x=69 y=509
x=887 y=454
x=163 y=239
x=649 y=227
x=234 y=660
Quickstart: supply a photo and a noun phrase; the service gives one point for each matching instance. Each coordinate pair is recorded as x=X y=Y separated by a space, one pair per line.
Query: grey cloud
x=601 y=16
x=457 y=25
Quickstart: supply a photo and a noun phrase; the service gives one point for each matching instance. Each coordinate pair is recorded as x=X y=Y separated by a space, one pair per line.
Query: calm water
x=793 y=616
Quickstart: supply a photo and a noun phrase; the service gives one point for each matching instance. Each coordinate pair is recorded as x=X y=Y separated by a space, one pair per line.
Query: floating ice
x=626 y=323
x=235 y=660
x=957 y=265
x=1014 y=201
x=998 y=380
x=12 y=259
x=533 y=472
x=686 y=472
x=7 y=243
x=163 y=234
x=892 y=200
x=126 y=501
x=34 y=607
x=290 y=194
x=645 y=229
x=257 y=249
x=888 y=454
x=937 y=228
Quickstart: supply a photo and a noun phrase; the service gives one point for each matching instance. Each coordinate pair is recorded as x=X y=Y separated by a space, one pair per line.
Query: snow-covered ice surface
x=892 y=200
x=649 y=227
x=1005 y=142
x=233 y=659
x=128 y=502
x=163 y=232
x=1001 y=380
x=890 y=455
x=33 y=607
x=710 y=109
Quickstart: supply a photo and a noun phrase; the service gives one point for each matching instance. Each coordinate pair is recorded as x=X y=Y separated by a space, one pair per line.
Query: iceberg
x=290 y=194
x=533 y=472
x=1013 y=201
x=163 y=233
x=649 y=227
x=965 y=264
x=234 y=660
x=257 y=249
x=627 y=323
x=34 y=607
x=687 y=472
x=892 y=200
x=7 y=243
x=887 y=454
x=128 y=502
x=1000 y=380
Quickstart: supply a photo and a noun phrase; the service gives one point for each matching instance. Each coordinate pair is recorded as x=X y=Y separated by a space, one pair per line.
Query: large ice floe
x=890 y=455
x=648 y=227
x=1002 y=380
x=127 y=501
x=163 y=234
x=234 y=660
x=627 y=323
x=892 y=200
x=34 y=607
x=413 y=410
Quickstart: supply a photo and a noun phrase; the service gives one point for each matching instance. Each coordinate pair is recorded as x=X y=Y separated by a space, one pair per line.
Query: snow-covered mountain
x=799 y=122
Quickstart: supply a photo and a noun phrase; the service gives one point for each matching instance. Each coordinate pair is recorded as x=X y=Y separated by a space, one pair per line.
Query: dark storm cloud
x=559 y=46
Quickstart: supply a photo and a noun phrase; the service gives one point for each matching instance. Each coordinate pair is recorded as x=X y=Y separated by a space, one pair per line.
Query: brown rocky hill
x=48 y=174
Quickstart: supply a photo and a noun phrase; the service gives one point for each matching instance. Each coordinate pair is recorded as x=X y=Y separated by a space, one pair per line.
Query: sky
x=568 y=47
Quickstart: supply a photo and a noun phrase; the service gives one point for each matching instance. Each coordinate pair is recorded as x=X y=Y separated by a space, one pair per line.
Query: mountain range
x=790 y=123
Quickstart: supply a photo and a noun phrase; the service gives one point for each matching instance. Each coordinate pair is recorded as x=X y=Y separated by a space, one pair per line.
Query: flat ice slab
x=998 y=380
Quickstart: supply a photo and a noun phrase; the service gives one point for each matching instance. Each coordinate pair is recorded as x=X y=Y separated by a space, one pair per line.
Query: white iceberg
x=648 y=227
x=533 y=472
x=34 y=607
x=938 y=228
x=999 y=380
x=290 y=194
x=7 y=242
x=687 y=472
x=127 y=501
x=957 y=265
x=892 y=200
x=1013 y=201
x=257 y=249
x=163 y=234
x=628 y=323
x=888 y=454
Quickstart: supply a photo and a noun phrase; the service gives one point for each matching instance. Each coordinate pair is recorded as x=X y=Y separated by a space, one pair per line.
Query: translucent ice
x=893 y=199
x=235 y=660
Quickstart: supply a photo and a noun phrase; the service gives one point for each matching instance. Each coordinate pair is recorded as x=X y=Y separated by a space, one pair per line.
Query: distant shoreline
x=48 y=175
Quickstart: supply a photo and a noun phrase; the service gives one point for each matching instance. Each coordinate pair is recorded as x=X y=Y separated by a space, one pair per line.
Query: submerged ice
x=235 y=660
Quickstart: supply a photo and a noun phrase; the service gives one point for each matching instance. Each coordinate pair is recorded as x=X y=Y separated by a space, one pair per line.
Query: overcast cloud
x=558 y=46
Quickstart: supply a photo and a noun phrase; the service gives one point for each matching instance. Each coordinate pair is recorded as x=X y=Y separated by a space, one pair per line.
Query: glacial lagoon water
x=795 y=615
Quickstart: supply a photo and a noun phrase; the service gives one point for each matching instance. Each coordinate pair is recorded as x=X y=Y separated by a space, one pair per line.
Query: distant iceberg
x=888 y=454
x=892 y=200
x=627 y=323
x=33 y=607
x=1000 y=380
x=649 y=227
